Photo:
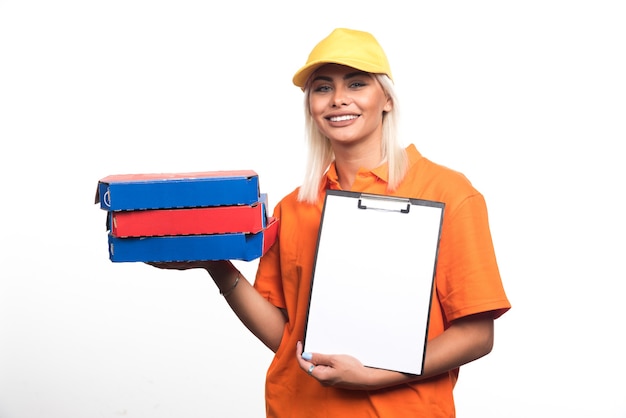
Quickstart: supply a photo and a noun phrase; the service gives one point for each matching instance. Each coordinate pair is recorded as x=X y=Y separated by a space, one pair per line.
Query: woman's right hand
x=208 y=265
x=223 y=272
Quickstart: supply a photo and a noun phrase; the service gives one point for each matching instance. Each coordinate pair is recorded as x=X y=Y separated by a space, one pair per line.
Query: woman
x=351 y=117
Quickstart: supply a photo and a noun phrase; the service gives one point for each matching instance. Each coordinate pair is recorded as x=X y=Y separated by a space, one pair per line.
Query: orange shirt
x=467 y=281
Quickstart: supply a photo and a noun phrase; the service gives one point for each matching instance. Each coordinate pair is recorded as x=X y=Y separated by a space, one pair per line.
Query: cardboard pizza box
x=190 y=221
x=177 y=190
x=236 y=246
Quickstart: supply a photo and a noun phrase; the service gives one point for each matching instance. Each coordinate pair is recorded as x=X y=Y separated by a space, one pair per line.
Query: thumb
x=316 y=358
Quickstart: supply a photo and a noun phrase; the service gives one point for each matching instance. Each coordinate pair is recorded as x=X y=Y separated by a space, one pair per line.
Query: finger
x=303 y=359
x=317 y=358
x=302 y=362
x=307 y=356
x=311 y=369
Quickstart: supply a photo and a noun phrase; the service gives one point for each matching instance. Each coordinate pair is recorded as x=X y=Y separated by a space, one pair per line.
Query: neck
x=349 y=160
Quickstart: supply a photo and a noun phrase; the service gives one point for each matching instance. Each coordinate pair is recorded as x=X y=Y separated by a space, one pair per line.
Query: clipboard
x=373 y=279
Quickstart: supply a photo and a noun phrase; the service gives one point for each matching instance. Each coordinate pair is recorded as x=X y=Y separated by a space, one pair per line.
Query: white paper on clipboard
x=373 y=279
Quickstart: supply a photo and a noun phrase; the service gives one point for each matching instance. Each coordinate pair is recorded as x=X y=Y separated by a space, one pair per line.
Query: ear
x=388 y=105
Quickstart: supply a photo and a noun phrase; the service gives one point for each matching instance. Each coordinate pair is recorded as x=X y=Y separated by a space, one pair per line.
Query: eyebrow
x=345 y=77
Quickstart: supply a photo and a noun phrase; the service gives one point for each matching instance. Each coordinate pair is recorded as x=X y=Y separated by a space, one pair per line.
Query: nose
x=341 y=97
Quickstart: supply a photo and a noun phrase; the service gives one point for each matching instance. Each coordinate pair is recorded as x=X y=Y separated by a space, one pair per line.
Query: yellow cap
x=353 y=48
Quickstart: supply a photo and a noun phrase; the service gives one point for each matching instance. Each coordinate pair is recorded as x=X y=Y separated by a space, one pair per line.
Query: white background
x=528 y=99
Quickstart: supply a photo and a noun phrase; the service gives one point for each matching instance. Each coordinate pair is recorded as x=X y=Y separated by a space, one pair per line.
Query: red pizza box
x=190 y=221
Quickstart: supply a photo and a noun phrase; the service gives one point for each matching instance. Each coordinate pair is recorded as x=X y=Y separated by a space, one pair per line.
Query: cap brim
x=303 y=74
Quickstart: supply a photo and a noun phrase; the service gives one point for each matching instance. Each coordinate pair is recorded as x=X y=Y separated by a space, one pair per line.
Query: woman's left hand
x=336 y=370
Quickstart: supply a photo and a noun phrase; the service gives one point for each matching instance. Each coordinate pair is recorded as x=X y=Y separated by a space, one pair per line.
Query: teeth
x=342 y=118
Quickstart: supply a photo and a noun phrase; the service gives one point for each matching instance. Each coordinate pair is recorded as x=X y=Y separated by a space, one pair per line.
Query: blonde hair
x=320 y=153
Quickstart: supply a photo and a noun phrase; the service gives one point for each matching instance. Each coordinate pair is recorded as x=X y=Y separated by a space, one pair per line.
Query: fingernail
x=307 y=356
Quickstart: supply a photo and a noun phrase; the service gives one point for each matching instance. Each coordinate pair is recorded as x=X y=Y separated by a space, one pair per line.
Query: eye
x=322 y=88
x=357 y=84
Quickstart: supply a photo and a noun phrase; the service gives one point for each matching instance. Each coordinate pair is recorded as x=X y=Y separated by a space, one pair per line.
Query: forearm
x=263 y=319
x=466 y=340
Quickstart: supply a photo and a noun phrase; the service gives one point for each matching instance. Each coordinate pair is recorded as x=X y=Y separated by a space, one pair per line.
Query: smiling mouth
x=342 y=118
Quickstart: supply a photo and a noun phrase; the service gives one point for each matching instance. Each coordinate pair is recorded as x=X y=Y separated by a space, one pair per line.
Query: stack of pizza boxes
x=215 y=215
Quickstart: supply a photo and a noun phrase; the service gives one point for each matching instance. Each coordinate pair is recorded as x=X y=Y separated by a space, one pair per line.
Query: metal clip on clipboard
x=385 y=203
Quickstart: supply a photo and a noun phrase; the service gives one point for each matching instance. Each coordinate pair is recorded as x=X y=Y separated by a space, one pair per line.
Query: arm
x=263 y=319
x=466 y=340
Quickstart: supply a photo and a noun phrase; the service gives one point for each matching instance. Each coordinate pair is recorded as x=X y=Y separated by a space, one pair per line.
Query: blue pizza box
x=236 y=246
x=177 y=190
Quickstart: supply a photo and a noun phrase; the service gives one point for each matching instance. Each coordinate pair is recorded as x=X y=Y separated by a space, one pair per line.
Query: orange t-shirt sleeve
x=468 y=279
x=268 y=276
